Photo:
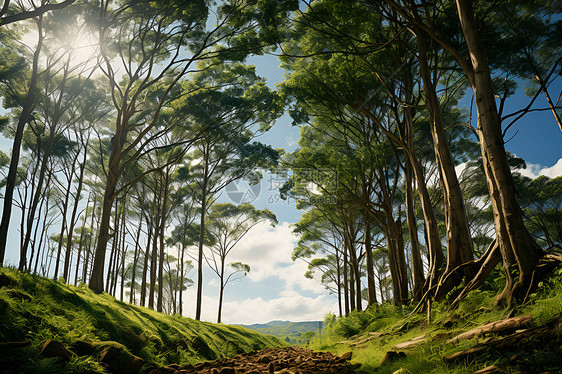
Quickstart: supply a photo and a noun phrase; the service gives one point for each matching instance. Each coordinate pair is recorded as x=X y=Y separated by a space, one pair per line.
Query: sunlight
x=84 y=49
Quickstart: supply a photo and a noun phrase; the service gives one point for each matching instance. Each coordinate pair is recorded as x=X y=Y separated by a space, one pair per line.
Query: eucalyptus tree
x=185 y=234
x=12 y=12
x=234 y=106
x=343 y=74
x=24 y=115
x=470 y=52
x=227 y=225
x=320 y=246
x=155 y=45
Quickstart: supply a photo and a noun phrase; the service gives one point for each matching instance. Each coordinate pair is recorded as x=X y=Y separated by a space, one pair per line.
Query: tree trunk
x=339 y=279
x=515 y=242
x=221 y=292
x=135 y=262
x=16 y=149
x=162 y=228
x=459 y=242
x=370 y=266
x=63 y=228
x=182 y=276
x=417 y=265
x=201 y=240
x=81 y=245
x=73 y=218
x=345 y=281
x=146 y=257
x=89 y=247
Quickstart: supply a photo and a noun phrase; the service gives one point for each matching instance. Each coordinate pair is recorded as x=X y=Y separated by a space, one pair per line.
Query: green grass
x=370 y=334
x=35 y=309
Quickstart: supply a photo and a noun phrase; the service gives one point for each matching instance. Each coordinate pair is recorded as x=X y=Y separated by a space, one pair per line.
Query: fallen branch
x=494 y=327
x=546 y=333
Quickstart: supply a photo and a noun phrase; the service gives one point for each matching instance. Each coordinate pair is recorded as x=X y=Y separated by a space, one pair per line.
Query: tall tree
x=227 y=225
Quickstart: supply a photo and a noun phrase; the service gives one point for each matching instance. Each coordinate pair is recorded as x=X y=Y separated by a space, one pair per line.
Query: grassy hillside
x=295 y=332
x=373 y=333
x=35 y=309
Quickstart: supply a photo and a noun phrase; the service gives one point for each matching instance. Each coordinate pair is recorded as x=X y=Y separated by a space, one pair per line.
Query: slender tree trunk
x=153 y=268
x=73 y=218
x=16 y=149
x=459 y=242
x=162 y=227
x=417 y=265
x=149 y=225
x=124 y=250
x=135 y=262
x=64 y=213
x=85 y=274
x=81 y=244
x=35 y=200
x=370 y=266
x=221 y=292
x=345 y=280
x=182 y=276
x=113 y=253
x=201 y=239
x=339 y=279
x=515 y=243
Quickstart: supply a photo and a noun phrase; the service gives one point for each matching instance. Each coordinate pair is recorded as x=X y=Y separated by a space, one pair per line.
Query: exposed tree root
x=489 y=261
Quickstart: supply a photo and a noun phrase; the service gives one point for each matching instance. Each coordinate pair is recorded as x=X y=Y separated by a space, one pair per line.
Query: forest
x=127 y=119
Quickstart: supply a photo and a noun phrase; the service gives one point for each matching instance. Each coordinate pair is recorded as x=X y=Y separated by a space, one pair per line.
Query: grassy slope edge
x=35 y=309
x=370 y=334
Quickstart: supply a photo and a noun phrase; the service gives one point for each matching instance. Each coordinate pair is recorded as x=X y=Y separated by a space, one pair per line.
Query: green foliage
x=36 y=309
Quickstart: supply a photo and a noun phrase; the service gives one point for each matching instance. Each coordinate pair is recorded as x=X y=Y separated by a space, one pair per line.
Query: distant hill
x=287 y=329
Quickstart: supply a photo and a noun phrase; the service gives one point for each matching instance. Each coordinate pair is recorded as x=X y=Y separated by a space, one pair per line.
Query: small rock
x=450 y=322
x=52 y=348
x=347 y=356
x=271 y=367
x=391 y=356
x=119 y=361
x=82 y=348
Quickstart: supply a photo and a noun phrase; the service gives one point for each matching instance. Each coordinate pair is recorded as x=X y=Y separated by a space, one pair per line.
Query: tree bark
x=162 y=228
x=370 y=266
x=516 y=244
x=221 y=292
x=135 y=262
x=459 y=242
x=73 y=219
x=202 y=237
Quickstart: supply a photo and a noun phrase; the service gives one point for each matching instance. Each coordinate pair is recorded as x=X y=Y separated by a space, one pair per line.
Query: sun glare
x=84 y=49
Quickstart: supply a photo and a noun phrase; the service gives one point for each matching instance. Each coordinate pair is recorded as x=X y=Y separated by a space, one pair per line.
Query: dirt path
x=275 y=360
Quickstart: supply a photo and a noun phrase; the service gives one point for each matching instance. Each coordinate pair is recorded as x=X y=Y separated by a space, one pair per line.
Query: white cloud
x=535 y=170
x=292 y=307
x=291 y=296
